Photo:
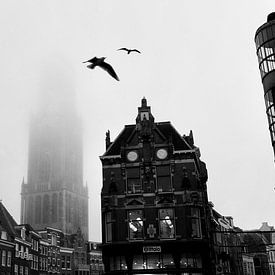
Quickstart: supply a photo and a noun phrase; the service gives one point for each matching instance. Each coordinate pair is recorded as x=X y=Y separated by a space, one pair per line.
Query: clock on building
x=132 y=156
x=162 y=153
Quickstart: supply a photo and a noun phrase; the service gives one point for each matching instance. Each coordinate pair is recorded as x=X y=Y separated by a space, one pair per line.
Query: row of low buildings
x=25 y=251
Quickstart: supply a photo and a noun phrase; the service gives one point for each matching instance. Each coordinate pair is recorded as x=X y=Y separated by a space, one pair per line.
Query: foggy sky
x=198 y=69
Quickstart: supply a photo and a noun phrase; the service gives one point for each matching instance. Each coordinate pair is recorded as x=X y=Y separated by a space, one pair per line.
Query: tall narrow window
x=4 y=258
x=9 y=259
x=15 y=269
x=135 y=223
x=133 y=180
x=108 y=226
x=195 y=222
x=164 y=178
x=166 y=224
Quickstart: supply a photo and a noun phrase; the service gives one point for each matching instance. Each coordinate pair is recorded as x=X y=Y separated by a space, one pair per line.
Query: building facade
x=54 y=194
x=155 y=213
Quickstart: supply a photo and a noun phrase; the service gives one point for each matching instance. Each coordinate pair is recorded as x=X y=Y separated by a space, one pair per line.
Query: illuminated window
x=190 y=260
x=108 y=226
x=15 y=269
x=166 y=224
x=164 y=179
x=116 y=263
x=135 y=222
x=133 y=181
x=138 y=262
x=195 y=223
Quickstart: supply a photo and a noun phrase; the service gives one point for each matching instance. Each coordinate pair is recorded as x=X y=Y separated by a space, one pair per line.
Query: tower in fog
x=265 y=45
x=54 y=194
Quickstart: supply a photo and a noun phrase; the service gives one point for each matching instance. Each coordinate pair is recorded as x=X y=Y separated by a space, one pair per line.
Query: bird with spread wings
x=103 y=65
x=129 y=50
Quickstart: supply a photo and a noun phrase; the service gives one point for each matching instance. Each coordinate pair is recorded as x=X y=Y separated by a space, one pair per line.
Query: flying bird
x=103 y=65
x=129 y=50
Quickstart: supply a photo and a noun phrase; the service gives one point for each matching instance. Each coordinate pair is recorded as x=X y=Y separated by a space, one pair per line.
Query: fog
x=197 y=68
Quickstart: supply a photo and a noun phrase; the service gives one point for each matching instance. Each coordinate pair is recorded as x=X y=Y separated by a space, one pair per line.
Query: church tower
x=54 y=194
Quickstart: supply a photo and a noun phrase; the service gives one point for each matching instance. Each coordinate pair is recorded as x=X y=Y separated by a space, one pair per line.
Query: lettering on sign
x=151 y=249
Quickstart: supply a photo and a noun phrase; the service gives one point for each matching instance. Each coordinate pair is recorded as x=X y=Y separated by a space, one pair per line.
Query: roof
x=7 y=222
x=163 y=129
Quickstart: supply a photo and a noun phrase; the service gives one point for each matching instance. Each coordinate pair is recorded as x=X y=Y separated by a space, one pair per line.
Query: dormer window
x=54 y=242
x=23 y=233
x=3 y=235
x=144 y=115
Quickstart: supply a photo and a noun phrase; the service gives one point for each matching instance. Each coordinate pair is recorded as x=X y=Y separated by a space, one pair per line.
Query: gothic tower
x=54 y=194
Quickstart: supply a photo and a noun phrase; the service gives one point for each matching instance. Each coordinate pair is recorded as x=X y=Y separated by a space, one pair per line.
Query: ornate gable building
x=54 y=194
x=155 y=214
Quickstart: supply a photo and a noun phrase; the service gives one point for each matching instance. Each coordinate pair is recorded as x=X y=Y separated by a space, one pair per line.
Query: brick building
x=155 y=214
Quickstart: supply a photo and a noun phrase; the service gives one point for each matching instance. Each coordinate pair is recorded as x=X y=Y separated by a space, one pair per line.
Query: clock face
x=132 y=156
x=162 y=153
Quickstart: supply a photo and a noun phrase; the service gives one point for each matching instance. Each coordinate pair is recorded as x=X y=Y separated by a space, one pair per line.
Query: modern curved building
x=265 y=45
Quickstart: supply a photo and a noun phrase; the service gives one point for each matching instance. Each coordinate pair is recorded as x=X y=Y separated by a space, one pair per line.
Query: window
x=54 y=242
x=195 y=223
x=116 y=263
x=68 y=262
x=9 y=259
x=108 y=226
x=4 y=258
x=23 y=233
x=164 y=178
x=15 y=269
x=135 y=222
x=166 y=223
x=190 y=260
x=26 y=270
x=63 y=261
x=21 y=270
x=3 y=235
x=133 y=181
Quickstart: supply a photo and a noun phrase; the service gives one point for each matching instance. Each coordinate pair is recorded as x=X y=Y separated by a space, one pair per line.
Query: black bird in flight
x=129 y=50
x=103 y=65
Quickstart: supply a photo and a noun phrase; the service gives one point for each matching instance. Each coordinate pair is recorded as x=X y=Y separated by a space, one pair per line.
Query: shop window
x=138 y=262
x=168 y=261
x=195 y=223
x=166 y=223
x=108 y=226
x=190 y=260
x=164 y=179
x=135 y=222
x=116 y=263
x=133 y=181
